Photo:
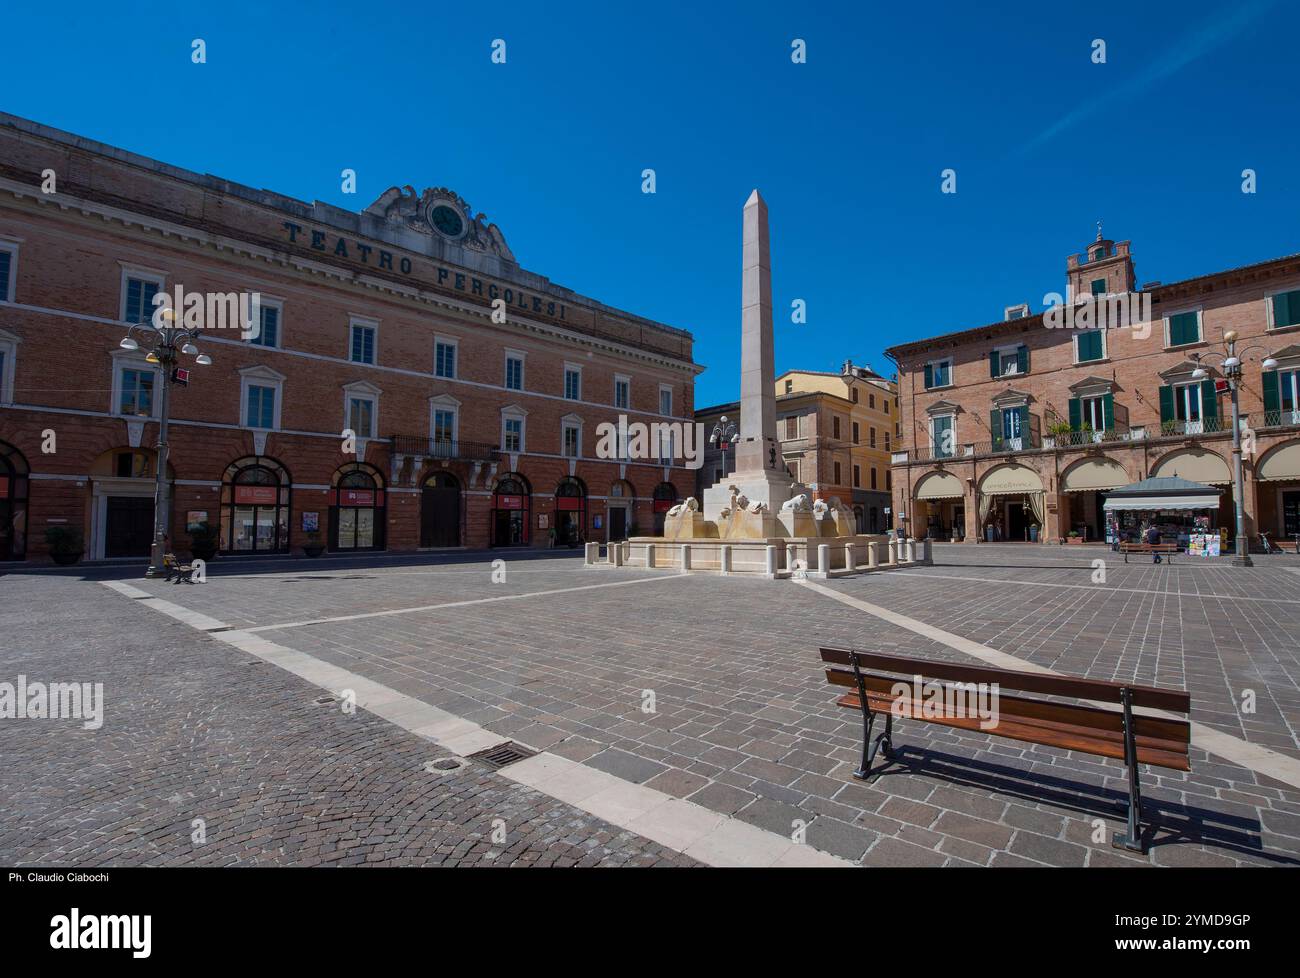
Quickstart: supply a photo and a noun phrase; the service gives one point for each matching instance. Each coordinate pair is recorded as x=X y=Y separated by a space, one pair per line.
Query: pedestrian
x=1153 y=538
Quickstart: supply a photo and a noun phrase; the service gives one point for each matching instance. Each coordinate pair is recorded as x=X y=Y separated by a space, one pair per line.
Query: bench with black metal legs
x=176 y=572
x=886 y=686
x=1167 y=549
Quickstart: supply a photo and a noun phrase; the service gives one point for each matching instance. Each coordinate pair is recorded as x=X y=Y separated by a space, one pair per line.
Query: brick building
x=474 y=387
x=1029 y=422
x=836 y=432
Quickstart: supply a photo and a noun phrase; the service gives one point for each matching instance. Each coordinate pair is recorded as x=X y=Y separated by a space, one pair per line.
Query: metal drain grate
x=503 y=754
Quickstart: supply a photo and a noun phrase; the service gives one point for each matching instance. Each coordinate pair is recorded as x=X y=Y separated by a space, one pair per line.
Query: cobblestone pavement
x=195 y=729
x=563 y=657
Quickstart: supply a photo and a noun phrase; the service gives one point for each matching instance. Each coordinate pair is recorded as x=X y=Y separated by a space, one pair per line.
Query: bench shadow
x=1164 y=822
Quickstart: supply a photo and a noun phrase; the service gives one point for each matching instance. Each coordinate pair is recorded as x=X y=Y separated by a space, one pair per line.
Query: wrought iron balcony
x=443 y=449
x=1287 y=417
x=1089 y=436
x=1205 y=426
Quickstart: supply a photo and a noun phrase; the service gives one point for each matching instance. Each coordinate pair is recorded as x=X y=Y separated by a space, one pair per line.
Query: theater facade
x=1020 y=429
x=472 y=388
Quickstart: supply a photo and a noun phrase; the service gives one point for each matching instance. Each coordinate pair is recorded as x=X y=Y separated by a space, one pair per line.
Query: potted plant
x=1075 y=537
x=314 y=546
x=204 y=541
x=66 y=544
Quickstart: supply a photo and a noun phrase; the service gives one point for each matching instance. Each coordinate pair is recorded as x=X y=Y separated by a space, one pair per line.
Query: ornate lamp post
x=1231 y=362
x=165 y=342
x=725 y=433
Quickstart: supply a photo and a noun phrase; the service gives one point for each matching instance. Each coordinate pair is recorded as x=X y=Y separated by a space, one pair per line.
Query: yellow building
x=837 y=431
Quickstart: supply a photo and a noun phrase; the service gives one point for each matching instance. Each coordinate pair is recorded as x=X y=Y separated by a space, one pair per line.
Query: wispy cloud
x=1197 y=44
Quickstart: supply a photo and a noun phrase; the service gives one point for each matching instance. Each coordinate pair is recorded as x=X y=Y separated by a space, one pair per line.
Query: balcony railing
x=1274 y=419
x=443 y=449
x=1205 y=426
x=1089 y=436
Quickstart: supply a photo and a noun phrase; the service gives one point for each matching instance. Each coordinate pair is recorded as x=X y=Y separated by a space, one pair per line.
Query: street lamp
x=165 y=342
x=724 y=433
x=1231 y=363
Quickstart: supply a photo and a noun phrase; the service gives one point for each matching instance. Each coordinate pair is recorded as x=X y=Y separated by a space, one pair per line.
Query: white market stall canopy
x=1163 y=493
x=1095 y=473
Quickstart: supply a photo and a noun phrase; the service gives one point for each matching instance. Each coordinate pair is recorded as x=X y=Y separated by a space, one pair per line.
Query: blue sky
x=847 y=148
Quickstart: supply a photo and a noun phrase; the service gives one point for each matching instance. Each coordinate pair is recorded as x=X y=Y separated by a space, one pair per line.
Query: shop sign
x=194 y=519
x=356 y=497
x=255 y=495
x=510 y=502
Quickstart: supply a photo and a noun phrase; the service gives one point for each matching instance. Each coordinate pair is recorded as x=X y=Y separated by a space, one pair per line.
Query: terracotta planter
x=1074 y=540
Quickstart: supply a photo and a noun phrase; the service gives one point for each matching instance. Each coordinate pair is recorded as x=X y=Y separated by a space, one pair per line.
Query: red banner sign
x=570 y=503
x=510 y=502
x=255 y=495
x=4 y=486
x=663 y=505
x=356 y=497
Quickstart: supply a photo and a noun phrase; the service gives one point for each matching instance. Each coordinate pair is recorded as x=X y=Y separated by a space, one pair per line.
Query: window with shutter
x=1184 y=328
x=1286 y=308
x=1088 y=345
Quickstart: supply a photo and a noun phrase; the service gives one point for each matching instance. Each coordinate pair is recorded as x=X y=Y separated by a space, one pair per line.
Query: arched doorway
x=357 y=508
x=622 y=497
x=665 y=498
x=1278 y=495
x=255 y=506
x=511 y=504
x=1011 y=503
x=570 y=512
x=440 y=511
x=939 y=501
x=14 y=481
x=1085 y=485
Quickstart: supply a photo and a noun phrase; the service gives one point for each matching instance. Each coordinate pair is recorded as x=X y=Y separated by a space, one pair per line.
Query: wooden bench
x=175 y=569
x=1168 y=549
x=889 y=689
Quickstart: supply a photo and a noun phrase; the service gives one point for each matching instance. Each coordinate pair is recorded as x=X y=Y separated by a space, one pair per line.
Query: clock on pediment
x=446 y=217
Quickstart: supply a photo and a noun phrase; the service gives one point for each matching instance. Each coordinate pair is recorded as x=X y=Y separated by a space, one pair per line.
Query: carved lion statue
x=758 y=506
x=797 y=504
x=687 y=505
x=819 y=507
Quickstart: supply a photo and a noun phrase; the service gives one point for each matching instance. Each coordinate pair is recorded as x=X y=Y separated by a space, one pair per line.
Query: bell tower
x=1105 y=267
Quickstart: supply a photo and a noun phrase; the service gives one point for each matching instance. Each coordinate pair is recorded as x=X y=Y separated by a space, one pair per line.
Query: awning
x=939 y=485
x=1011 y=480
x=1141 y=503
x=1196 y=465
x=1095 y=473
x=1280 y=465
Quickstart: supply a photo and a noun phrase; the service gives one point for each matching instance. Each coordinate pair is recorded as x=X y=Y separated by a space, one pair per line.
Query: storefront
x=570 y=512
x=1086 y=485
x=440 y=511
x=1184 y=512
x=510 y=508
x=1278 y=476
x=1011 y=504
x=940 y=507
x=357 y=508
x=255 y=507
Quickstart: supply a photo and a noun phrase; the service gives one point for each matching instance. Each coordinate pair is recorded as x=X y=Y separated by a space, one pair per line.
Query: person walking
x=1153 y=537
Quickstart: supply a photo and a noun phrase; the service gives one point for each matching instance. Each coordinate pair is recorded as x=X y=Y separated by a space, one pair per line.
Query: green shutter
x=993 y=363
x=1209 y=402
x=1076 y=414
x=1089 y=346
x=929 y=376
x=1184 y=328
x=1272 y=394
x=1281 y=312
x=1166 y=404
x=995 y=426
x=1108 y=411
x=1022 y=359
x=1024 y=420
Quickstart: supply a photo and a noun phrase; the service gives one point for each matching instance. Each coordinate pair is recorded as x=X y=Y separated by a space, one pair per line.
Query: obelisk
x=760 y=472
x=757 y=366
